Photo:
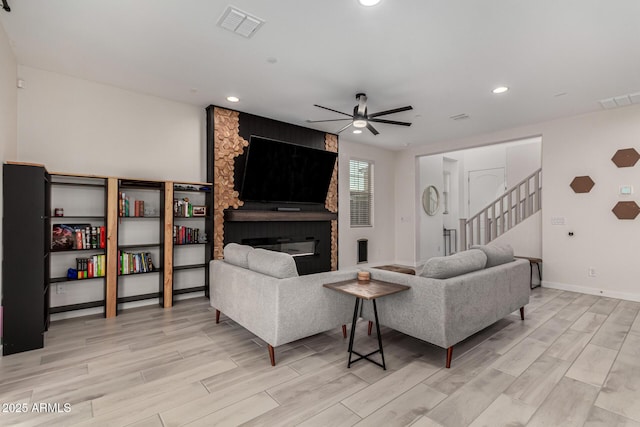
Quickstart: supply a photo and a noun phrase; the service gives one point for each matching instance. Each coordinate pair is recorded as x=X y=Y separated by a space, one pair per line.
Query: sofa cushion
x=454 y=265
x=496 y=254
x=237 y=254
x=271 y=263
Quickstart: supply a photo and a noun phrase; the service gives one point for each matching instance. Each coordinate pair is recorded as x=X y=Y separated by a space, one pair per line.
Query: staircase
x=514 y=206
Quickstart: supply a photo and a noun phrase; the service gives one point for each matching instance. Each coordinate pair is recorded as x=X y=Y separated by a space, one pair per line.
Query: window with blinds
x=361 y=193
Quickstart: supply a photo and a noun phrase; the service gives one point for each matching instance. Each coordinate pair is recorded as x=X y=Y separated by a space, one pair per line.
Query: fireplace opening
x=294 y=246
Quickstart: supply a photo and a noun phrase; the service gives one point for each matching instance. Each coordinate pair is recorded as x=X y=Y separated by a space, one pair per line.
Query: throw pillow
x=454 y=265
x=237 y=254
x=496 y=254
x=271 y=263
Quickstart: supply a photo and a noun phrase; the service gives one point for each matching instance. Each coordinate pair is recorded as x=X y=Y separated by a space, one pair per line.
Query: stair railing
x=514 y=206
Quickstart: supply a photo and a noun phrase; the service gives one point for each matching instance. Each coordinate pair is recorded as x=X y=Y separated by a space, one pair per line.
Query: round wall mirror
x=430 y=200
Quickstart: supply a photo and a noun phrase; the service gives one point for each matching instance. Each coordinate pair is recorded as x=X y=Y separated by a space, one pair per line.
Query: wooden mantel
x=234 y=215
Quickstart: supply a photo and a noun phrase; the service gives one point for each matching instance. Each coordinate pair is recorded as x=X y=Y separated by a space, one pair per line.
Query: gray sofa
x=261 y=291
x=454 y=297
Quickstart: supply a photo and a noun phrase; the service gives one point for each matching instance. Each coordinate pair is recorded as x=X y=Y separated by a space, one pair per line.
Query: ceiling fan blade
x=331 y=109
x=390 y=122
x=372 y=129
x=395 y=110
x=332 y=120
x=362 y=104
x=344 y=127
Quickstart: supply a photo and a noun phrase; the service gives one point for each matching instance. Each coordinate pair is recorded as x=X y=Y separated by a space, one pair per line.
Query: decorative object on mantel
x=626 y=210
x=430 y=200
x=625 y=158
x=582 y=184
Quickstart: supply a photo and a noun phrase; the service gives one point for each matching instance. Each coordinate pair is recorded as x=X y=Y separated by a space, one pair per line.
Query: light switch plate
x=626 y=190
x=557 y=220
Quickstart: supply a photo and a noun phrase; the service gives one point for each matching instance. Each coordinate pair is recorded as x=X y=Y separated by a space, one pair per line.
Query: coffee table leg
x=353 y=330
x=375 y=312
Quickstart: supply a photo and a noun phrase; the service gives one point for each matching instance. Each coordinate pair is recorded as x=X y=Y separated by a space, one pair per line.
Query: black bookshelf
x=79 y=207
x=25 y=283
x=150 y=192
x=204 y=223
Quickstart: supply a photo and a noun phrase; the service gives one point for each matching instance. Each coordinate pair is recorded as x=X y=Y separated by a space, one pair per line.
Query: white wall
x=380 y=236
x=522 y=160
x=526 y=238
x=581 y=145
x=429 y=228
x=8 y=115
x=578 y=146
x=78 y=126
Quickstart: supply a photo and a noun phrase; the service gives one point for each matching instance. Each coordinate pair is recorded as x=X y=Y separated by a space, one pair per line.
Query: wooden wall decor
x=228 y=145
x=626 y=210
x=331 y=144
x=582 y=184
x=625 y=158
x=334 y=245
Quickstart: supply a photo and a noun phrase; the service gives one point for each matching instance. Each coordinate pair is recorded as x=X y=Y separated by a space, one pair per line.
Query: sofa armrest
x=244 y=296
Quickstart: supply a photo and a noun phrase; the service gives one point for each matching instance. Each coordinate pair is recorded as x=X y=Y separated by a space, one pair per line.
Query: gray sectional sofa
x=455 y=296
x=261 y=291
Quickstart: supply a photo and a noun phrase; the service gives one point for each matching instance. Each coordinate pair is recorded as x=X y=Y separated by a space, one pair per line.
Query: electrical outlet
x=60 y=289
x=591 y=272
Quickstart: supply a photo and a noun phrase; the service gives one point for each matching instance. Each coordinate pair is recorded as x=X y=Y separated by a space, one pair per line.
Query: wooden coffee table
x=369 y=290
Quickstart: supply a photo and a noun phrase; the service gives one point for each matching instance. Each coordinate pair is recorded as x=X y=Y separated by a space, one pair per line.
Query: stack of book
x=77 y=236
x=132 y=263
x=94 y=266
x=182 y=208
x=124 y=206
x=185 y=235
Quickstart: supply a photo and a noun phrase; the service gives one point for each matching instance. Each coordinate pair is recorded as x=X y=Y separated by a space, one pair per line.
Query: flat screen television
x=277 y=171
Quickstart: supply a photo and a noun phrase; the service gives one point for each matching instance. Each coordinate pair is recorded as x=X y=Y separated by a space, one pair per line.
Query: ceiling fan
x=361 y=118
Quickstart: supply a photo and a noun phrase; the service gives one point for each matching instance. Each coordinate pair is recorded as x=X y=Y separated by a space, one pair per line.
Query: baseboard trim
x=591 y=291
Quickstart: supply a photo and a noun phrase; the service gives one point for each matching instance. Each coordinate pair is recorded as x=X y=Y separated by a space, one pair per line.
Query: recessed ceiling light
x=357 y=131
x=233 y=99
x=368 y=2
x=500 y=89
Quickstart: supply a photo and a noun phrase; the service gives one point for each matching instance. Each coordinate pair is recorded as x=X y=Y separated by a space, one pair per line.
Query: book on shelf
x=66 y=237
x=185 y=235
x=134 y=262
x=182 y=208
x=129 y=207
x=89 y=267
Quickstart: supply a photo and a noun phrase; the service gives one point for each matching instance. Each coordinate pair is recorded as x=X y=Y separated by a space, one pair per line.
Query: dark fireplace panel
x=294 y=246
x=309 y=242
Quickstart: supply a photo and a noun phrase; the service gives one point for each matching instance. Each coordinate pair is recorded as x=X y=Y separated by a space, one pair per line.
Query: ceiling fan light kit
x=368 y=2
x=360 y=117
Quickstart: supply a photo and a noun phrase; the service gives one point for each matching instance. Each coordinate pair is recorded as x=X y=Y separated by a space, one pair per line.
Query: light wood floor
x=574 y=361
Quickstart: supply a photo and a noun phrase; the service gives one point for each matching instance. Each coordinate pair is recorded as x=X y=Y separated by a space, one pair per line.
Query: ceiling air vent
x=620 y=101
x=240 y=22
x=462 y=116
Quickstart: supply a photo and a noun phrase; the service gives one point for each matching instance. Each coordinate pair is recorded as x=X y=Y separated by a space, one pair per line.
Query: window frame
x=367 y=193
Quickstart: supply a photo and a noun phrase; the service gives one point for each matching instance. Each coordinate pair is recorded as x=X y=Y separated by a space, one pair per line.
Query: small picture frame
x=199 y=211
